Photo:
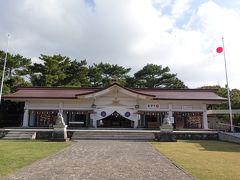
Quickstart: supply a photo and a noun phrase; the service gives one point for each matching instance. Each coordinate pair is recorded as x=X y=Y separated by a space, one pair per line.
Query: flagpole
x=228 y=91
x=4 y=67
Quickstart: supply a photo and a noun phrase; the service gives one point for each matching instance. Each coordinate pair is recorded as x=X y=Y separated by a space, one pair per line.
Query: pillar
x=94 y=122
x=26 y=115
x=170 y=110
x=32 y=118
x=135 y=123
x=60 y=108
x=205 y=120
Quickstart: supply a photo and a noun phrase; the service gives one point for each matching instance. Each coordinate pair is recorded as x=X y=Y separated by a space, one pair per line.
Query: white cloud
x=180 y=7
x=130 y=33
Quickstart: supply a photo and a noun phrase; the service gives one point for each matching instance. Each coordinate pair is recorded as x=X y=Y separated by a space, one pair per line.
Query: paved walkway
x=103 y=160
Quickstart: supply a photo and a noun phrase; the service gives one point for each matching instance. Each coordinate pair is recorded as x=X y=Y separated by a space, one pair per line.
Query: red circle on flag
x=219 y=49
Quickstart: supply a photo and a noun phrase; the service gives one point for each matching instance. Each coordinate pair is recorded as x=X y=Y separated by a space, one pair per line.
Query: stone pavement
x=103 y=160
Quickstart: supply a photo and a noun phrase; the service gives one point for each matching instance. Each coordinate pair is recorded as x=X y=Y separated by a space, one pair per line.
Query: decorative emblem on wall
x=127 y=114
x=103 y=113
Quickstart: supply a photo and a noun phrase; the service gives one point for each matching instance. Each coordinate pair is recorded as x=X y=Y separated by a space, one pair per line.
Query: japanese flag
x=219 y=50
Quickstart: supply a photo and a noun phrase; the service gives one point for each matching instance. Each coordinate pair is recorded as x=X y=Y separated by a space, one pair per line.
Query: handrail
x=223 y=111
x=228 y=125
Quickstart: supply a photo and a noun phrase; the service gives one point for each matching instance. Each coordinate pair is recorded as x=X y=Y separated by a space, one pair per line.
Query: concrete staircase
x=19 y=135
x=112 y=135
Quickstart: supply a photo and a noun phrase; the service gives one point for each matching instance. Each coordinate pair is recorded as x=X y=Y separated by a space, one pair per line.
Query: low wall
x=196 y=136
x=44 y=135
x=228 y=137
x=48 y=135
x=193 y=135
x=184 y=135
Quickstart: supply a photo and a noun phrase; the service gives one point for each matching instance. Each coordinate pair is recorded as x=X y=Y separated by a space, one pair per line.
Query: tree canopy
x=234 y=96
x=153 y=75
x=58 y=70
x=103 y=74
x=17 y=68
x=235 y=102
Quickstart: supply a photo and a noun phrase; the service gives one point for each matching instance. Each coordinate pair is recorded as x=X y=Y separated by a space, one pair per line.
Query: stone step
x=112 y=135
x=17 y=132
x=16 y=138
x=19 y=135
x=13 y=134
x=106 y=135
x=110 y=138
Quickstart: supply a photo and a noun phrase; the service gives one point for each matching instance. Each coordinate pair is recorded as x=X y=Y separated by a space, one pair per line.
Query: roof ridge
x=54 y=88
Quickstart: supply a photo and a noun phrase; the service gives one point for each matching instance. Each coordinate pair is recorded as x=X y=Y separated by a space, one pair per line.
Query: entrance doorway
x=115 y=120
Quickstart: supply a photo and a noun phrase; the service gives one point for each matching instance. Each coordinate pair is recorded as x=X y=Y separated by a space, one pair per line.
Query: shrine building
x=115 y=106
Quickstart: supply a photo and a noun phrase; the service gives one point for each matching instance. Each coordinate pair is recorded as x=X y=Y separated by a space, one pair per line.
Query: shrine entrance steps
x=112 y=135
x=19 y=135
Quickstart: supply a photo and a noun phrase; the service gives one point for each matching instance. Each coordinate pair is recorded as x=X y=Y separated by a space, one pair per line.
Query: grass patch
x=16 y=154
x=204 y=159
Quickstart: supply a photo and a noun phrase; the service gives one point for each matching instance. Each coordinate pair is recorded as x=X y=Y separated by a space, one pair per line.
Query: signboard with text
x=153 y=106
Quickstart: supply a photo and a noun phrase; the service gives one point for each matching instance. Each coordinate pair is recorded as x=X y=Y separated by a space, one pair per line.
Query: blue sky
x=91 y=3
x=181 y=34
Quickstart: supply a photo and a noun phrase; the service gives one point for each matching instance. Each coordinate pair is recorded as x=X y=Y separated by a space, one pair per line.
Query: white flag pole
x=228 y=91
x=4 y=67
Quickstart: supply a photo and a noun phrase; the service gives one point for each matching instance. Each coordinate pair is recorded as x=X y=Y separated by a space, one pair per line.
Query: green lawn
x=16 y=154
x=204 y=159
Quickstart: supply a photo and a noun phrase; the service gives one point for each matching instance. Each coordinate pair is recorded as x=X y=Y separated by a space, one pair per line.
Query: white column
x=139 y=120
x=94 y=122
x=205 y=120
x=170 y=110
x=60 y=108
x=26 y=115
x=135 y=123
x=32 y=118
x=144 y=122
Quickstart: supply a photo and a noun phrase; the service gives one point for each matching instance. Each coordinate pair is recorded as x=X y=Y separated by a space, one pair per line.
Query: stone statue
x=166 y=120
x=60 y=120
x=166 y=133
x=167 y=124
x=59 y=129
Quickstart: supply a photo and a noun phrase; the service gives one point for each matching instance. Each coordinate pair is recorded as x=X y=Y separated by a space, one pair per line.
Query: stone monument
x=166 y=133
x=59 y=129
x=167 y=124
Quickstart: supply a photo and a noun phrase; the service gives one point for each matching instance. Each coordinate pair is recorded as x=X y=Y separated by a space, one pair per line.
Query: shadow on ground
x=222 y=146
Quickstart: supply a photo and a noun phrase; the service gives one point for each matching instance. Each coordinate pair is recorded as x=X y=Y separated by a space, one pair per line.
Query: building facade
x=115 y=106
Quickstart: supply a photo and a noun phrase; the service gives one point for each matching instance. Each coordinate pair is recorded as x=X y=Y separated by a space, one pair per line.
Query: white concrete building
x=115 y=106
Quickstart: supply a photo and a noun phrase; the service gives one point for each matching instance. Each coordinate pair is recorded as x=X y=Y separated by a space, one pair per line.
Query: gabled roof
x=183 y=94
x=118 y=86
x=152 y=93
x=48 y=93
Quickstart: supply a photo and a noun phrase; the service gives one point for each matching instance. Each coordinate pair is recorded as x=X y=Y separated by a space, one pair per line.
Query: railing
x=223 y=111
x=227 y=127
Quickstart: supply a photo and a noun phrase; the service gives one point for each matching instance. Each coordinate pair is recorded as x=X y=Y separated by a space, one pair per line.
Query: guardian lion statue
x=60 y=120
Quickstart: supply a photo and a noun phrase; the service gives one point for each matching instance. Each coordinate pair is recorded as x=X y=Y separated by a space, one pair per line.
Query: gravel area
x=103 y=160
